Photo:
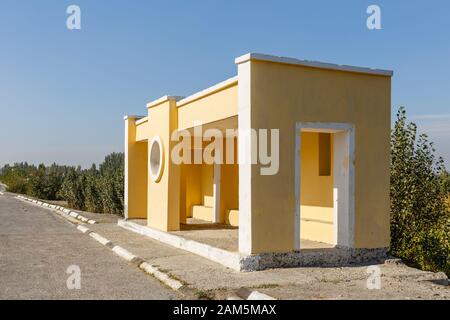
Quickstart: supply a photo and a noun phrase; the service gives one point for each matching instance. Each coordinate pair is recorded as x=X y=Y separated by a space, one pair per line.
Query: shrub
x=420 y=225
x=17 y=177
x=17 y=186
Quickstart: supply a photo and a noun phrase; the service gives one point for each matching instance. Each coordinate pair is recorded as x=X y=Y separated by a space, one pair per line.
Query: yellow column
x=135 y=189
x=163 y=184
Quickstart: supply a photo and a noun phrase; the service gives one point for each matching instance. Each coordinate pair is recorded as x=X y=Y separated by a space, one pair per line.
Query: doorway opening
x=324 y=186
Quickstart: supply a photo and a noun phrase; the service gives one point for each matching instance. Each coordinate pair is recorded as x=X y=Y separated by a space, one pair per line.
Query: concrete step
x=202 y=212
x=208 y=201
x=316 y=230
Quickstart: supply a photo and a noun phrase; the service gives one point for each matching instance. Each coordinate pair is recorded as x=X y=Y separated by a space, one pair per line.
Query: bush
x=92 y=190
x=17 y=177
x=420 y=218
x=17 y=186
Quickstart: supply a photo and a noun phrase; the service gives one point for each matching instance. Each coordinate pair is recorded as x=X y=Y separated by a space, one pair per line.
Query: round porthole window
x=156 y=159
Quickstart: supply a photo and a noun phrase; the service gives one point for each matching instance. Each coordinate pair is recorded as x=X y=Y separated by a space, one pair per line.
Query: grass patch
x=203 y=295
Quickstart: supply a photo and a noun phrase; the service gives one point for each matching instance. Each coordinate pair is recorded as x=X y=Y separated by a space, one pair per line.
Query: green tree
x=17 y=177
x=111 y=183
x=72 y=188
x=93 y=190
x=92 y=200
x=420 y=218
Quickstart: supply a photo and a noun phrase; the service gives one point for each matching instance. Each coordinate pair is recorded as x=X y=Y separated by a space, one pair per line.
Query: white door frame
x=343 y=179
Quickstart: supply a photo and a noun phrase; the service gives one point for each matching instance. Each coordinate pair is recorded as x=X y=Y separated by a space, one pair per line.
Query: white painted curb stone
x=127 y=255
x=100 y=239
x=255 y=295
x=234 y=297
x=73 y=214
x=163 y=277
x=83 y=229
x=56 y=207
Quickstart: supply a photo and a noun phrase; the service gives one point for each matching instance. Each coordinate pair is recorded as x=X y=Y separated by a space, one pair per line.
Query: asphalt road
x=37 y=247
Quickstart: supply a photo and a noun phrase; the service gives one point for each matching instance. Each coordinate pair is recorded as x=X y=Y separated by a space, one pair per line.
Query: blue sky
x=63 y=93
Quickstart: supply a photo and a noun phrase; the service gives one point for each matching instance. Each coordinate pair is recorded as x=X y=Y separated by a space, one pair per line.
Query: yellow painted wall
x=316 y=196
x=142 y=131
x=197 y=184
x=282 y=95
x=164 y=196
x=207 y=181
x=315 y=190
x=213 y=107
x=229 y=197
x=229 y=186
x=200 y=190
x=170 y=200
x=197 y=188
x=137 y=177
x=190 y=192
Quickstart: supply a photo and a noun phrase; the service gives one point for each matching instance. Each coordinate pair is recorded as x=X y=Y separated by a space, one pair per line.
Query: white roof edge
x=163 y=99
x=313 y=64
x=142 y=120
x=207 y=91
x=132 y=116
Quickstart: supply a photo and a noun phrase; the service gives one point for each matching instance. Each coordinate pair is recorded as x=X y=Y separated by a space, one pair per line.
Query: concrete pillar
x=135 y=188
x=163 y=185
x=245 y=161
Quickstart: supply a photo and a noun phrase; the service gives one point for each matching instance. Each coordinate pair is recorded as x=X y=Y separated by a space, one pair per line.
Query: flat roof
x=132 y=116
x=312 y=64
x=163 y=99
x=142 y=120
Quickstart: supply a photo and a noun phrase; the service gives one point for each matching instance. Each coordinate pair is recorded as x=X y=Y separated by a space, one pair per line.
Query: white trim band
x=312 y=64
